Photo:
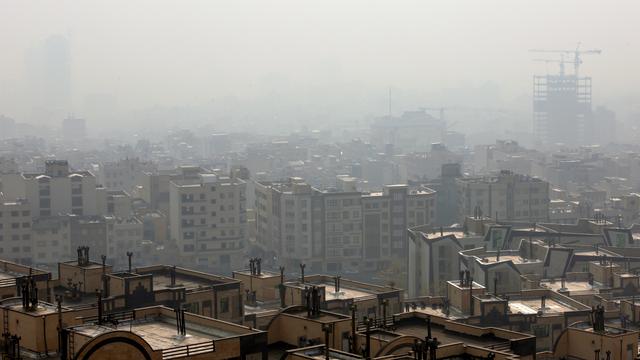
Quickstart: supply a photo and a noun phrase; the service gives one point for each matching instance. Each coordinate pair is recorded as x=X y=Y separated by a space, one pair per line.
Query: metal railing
x=115 y=316
x=376 y=323
x=189 y=350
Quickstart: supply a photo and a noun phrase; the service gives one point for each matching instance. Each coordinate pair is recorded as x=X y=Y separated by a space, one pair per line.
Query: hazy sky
x=172 y=53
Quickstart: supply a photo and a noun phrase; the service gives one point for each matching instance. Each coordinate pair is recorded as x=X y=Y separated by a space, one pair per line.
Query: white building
x=57 y=191
x=338 y=231
x=507 y=196
x=15 y=231
x=124 y=174
x=207 y=218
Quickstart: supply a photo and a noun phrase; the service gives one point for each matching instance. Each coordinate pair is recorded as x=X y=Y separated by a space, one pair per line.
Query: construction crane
x=560 y=62
x=577 y=53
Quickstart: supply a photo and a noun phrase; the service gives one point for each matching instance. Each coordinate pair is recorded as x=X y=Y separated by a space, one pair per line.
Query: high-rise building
x=207 y=217
x=49 y=73
x=507 y=196
x=340 y=230
x=124 y=174
x=56 y=191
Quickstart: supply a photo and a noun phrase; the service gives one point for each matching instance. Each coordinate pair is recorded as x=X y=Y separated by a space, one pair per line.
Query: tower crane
x=577 y=53
x=560 y=62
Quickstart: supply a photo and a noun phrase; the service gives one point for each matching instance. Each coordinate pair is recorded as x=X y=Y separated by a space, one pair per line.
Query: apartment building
x=123 y=235
x=507 y=196
x=153 y=186
x=124 y=174
x=207 y=217
x=338 y=230
x=51 y=239
x=15 y=231
x=56 y=191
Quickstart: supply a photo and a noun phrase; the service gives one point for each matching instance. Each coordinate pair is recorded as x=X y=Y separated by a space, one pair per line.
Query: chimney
x=129 y=255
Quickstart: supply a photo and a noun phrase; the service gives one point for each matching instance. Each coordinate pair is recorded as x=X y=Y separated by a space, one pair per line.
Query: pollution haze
x=272 y=64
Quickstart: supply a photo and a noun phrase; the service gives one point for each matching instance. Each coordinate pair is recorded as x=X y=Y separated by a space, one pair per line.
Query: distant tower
x=562 y=103
x=49 y=74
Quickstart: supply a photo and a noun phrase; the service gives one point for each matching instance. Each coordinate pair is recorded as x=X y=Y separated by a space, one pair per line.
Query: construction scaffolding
x=562 y=109
x=562 y=103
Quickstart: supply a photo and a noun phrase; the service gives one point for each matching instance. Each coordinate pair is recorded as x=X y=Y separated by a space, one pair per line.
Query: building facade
x=207 y=218
x=507 y=196
x=338 y=231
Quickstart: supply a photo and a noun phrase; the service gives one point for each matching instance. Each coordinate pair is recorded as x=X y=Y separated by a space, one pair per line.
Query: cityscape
x=295 y=181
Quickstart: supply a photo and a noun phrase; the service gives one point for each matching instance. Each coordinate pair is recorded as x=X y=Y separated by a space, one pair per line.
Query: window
x=15 y=213
x=224 y=305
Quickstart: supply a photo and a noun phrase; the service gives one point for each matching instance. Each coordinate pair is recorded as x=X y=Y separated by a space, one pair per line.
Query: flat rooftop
x=91 y=265
x=160 y=332
x=533 y=305
x=189 y=279
x=43 y=308
x=163 y=281
x=324 y=316
x=348 y=289
x=516 y=259
x=569 y=285
x=418 y=327
x=263 y=274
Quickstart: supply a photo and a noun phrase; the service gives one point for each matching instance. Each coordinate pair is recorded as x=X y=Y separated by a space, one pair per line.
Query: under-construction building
x=562 y=109
x=562 y=103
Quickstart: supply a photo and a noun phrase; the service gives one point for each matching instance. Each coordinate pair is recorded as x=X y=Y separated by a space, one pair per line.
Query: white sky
x=157 y=52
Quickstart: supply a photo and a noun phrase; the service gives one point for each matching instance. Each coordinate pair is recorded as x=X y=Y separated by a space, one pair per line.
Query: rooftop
x=160 y=332
x=530 y=306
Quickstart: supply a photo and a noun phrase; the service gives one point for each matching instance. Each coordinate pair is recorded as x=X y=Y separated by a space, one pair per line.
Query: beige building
x=15 y=231
x=57 y=191
x=507 y=196
x=163 y=333
x=207 y=219
x=338 y=231
x=51 y=238
x=123 y=235
x=124 y=174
